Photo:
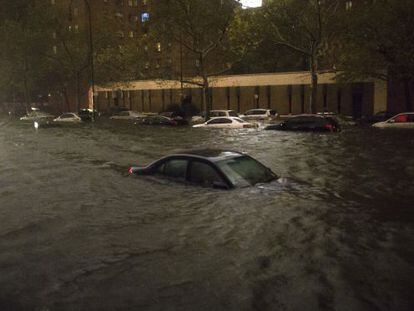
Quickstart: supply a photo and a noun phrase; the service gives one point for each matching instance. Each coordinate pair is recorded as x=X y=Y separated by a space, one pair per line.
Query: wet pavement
x=78 y=233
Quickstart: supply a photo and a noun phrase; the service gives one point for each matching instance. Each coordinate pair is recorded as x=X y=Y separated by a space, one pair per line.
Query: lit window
x=348 y=5
x=145 y=17
x=159 y=47
x=131 y=34
x=55 y=49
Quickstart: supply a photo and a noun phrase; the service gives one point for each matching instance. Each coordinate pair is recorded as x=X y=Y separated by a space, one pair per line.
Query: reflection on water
x=78 y=233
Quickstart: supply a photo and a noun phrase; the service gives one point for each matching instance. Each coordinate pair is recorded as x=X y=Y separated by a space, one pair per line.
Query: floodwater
x=78 y=233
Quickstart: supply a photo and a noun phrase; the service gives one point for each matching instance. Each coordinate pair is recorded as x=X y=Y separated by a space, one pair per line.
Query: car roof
x=258 y=109
x=212 y=155
x=309 y=115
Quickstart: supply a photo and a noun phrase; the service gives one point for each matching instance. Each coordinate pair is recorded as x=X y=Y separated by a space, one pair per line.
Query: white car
x=37 y=115
x=259 y=114
x=223 y=113
x=68 y=117
x=402 y=120
x=126 y=115
x=226 y=122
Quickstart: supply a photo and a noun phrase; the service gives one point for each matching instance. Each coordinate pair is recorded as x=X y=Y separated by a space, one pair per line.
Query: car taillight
x=330 y=127
x=131 y=170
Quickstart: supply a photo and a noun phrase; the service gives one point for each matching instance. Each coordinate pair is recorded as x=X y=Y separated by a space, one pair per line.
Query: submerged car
x=126 y=115
x=87 y=114
x=223 y=113
x=226 y=122
x=68 y=117
x=161 y=120
x=307 y=123
x=37 y=115
x=259 y=114
x=221 y=169
x=402 y=120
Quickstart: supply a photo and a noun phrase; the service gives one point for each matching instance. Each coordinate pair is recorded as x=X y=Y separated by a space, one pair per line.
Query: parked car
x=312 y=123
x=37 y=115
x=259 y=114
x=378 y=117
x=223 y=113
x=86 y=114
x=220 y=169
x=226 y=122
x=402 y=120
x=68 y=117
x=161 y=120
x=126 y=115
x=214 y=114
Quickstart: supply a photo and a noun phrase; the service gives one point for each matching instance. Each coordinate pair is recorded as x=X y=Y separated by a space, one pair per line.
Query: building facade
x=287 y=93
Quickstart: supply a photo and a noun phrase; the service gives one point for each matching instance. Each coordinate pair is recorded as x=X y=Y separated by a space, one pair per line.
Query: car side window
x=203 y=174
x=411 y=118
x=176 y=169
x=401 y=118
x=219 y=121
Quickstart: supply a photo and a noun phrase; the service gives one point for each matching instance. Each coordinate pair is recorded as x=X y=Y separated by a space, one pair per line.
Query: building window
x=75 y=12
x=158 y=46
x=145 y=17
x=131 y=34
x=348 y=5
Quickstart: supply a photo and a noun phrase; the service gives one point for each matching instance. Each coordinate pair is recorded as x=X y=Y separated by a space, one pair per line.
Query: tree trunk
x=66 y=98
x=26 y=88
x=77 y=91
x=407 y=92
x=206 y=98
x=314 y=84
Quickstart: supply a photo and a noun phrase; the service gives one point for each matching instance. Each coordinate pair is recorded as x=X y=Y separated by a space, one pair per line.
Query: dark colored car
x=161 y=120
x=307 y=123
x=86 y=114
x=379 y=117
x=219 y=169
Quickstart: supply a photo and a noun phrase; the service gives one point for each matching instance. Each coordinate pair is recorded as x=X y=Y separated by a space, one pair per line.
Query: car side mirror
x=220 y=185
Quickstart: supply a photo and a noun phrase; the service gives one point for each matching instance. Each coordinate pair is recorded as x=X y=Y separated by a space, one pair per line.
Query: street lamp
x=91 y=52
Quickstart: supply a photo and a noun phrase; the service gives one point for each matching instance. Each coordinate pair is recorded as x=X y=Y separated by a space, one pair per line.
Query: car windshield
x=239 y=120
x=245 y=171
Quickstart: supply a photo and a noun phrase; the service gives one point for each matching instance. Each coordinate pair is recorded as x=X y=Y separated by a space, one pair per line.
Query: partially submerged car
x=223 y=113
x=221 y=169
x=37 y=115
x=226 y=122
x=126 y=115
x=402 y=120
x=307 y=123
x=161 y=120
x=68 y=117
x=87 y=114
x=259 y=114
